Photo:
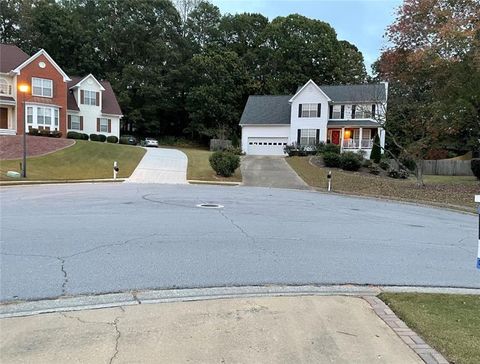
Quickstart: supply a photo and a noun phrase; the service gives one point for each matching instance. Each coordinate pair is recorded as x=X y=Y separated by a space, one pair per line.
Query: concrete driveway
x=161 y=166
x=268 y=171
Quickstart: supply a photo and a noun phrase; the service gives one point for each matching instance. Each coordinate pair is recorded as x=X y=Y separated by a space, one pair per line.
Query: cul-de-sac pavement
x=98 y=238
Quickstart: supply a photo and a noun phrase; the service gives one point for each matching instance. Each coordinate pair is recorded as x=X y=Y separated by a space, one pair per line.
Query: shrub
x=331 y=159
x=349 y=161
x=33 y=131
x=74 y=135
x=112 y=139
x=376 y=153
x=384 y=165
x=374 y=169
x=102 y=138
x=403 y=174
x=367 y=163
x=56 y=134
x=475 y=165
x=235 y=150
x=84 y=136
x=235 y=141
x=361 y=155
x=224 y=163
x=95 y=137
x=44 y=132
x=331 y=148
x=393 y=173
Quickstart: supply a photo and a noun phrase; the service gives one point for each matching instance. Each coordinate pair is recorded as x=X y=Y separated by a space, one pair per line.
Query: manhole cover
x=210 y=206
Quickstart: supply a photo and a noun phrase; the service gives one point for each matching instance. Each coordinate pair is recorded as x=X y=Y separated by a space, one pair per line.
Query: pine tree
x=376 y=153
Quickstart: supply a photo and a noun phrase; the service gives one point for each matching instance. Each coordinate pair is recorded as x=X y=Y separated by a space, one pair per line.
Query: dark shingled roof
x=266 y=109
x=11 y=57
x=109 y=101
x=356 y=93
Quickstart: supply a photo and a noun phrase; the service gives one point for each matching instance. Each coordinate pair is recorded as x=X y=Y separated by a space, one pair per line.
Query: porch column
x=360 y=136
x=341 y=139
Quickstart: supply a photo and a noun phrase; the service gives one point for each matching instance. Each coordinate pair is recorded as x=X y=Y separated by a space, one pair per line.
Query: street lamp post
x=23 y=88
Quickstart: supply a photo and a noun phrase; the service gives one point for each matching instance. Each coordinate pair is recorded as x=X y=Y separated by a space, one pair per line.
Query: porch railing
x=356 y=143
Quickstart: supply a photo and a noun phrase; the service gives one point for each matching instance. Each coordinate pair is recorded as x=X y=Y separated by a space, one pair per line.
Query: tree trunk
x=419 y=172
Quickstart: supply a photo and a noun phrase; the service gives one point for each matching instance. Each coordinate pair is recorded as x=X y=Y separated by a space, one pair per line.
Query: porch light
x=347 y=134
x=23 y=88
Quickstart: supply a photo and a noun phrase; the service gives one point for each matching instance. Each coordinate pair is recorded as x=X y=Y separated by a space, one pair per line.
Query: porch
x=8 y=125
x=353 y=139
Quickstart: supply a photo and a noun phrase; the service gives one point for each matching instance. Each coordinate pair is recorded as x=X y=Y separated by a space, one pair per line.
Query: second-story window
x=42 y=87
x=89 y=97
x=5 y=88
x=309 y=110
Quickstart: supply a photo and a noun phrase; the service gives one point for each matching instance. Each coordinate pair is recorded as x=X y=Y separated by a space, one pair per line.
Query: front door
x=3 y=118
x=336 y=137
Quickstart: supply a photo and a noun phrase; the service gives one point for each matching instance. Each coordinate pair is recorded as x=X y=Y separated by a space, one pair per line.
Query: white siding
x=310 y=94
x=266 y=131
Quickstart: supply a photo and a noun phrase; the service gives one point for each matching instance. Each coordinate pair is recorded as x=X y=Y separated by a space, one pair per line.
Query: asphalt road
x=98 y=238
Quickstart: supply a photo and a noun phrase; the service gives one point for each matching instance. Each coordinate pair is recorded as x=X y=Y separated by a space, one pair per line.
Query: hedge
x=112 y=139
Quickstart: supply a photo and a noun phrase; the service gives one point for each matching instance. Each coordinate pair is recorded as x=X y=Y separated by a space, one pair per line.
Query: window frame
x=106 y=125
x=309 y=110
x=306 y=136
x=43 y=116
x=89 y=100
x=73 y=121
x=42 y=87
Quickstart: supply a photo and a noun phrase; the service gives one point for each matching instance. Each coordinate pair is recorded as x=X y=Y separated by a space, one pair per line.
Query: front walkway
x=160 y=165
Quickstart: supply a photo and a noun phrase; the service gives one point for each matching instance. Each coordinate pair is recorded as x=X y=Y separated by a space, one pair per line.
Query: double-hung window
x=42 y=87
x=103 y=125
x=309 y=110
x=43 y=117
x=29 y=115
x=75 y=122
x=308 y=137
x=89 y=97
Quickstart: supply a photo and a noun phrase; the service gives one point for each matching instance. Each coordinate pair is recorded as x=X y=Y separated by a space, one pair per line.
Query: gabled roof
x=78 y=83
x=109 y=101
x=357 y=93
x=266 y=109
x=43 y=52
x=310 y=82
x=11 y=57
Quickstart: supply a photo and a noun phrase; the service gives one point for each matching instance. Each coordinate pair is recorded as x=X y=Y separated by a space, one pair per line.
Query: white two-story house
x=347 y=115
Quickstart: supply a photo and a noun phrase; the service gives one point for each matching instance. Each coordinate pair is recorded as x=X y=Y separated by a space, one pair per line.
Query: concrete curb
x=225 y=183
x=77 y=303
x=55 y=182
x=408 y=336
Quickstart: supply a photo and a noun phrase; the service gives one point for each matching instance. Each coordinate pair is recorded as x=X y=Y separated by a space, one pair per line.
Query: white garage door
x=266 y=146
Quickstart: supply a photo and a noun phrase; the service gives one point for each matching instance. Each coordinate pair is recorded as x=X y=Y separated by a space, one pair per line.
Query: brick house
x=54 y=101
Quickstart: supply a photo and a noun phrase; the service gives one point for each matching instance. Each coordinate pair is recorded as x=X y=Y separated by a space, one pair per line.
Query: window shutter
x=69 y=121
x=319 y=110
x=98 y=124
x=299 y=110
x=342 y=112
x=298 y=136
x=109 y=125
x=82 y=97
x=330 y=112
x=81 y=122
x=97 y=96
x=373 y=110
x=317 y=137
x=353 y=111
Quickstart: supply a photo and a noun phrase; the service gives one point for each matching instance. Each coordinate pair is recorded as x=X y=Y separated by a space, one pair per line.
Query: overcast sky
x=361 y=22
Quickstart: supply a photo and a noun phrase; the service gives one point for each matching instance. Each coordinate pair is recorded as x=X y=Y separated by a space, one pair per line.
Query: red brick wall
x=59 y=91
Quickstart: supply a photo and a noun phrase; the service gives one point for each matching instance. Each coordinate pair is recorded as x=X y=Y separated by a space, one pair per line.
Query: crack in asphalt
x=249 y=237
x=65 y=276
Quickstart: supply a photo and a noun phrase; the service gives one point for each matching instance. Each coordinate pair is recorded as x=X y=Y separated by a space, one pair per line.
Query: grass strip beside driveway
x=84 y=160
x=450 y=323
x=454 y=192
x=199 y=167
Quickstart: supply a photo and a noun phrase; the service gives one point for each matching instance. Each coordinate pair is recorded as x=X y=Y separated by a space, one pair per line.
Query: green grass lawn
x=199 y=167
x=449 y=323
x=455 y=192
x=83 y=160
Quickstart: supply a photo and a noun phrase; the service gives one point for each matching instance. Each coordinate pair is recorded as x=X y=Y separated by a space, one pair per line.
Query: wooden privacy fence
x=447 y=167
x=443 y=167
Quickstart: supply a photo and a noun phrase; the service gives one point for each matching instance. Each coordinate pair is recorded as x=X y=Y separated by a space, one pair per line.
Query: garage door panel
x=266 y=146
